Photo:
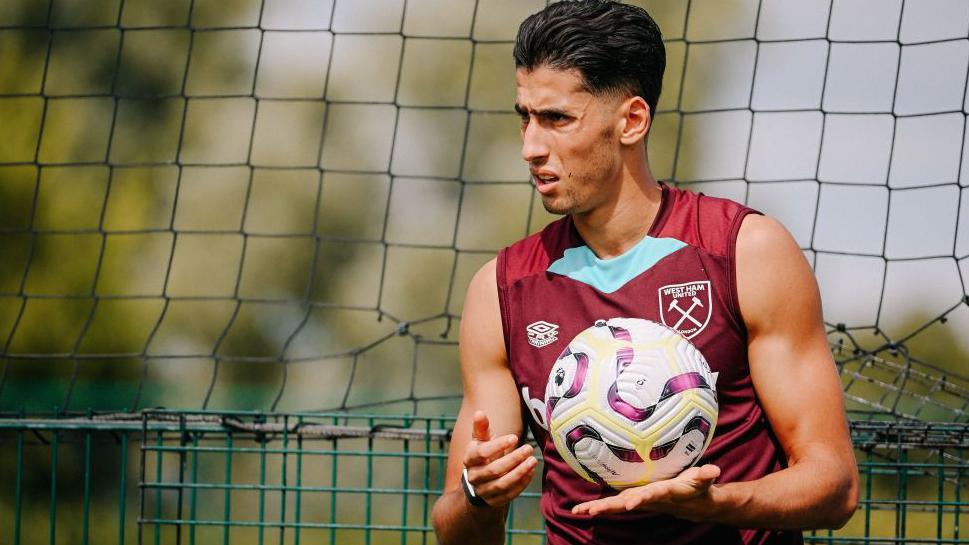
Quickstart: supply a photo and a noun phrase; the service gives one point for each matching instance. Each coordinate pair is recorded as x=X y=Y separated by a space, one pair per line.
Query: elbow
x=444 y=519
x=436 y=516
x=844 y=502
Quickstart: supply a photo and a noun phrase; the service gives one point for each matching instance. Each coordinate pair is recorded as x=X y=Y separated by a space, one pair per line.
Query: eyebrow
x=521 y=110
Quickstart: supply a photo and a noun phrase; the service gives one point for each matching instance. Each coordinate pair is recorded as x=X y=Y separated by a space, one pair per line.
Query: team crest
x=686 y=307
x=542 y=333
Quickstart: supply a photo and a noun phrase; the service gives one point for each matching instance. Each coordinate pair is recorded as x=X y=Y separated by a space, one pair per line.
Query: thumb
x=706 y=474
x=479 y=430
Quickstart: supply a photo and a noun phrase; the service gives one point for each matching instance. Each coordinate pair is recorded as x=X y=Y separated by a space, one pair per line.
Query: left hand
x=688 y=495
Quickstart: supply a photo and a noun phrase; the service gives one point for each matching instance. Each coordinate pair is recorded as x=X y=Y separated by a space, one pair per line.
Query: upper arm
x=791 y=366
x=488 y=383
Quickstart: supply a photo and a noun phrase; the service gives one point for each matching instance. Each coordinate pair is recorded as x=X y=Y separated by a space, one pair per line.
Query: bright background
x=279 y=204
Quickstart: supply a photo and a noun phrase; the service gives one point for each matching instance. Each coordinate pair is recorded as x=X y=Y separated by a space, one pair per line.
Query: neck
x=620 y=222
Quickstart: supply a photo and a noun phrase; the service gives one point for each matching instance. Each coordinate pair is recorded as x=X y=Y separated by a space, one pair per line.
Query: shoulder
x=484 y=279
x=707 y=205
x=775 y=283
x=481 y=337
x=706 y=222
x=534 y=253
x=764 y=238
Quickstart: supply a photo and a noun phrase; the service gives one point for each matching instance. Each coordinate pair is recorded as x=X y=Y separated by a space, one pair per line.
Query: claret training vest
x=551 y=286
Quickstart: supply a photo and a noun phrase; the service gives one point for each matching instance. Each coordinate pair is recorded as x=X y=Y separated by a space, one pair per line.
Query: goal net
x=272 y=208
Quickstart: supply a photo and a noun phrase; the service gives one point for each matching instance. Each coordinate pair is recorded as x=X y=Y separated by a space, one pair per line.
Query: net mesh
x=277 y=205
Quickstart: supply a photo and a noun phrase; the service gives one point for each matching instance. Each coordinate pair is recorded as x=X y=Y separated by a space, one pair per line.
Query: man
x=588 y=80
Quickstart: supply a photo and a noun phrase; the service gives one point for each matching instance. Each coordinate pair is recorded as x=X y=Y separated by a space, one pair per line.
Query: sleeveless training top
x=551 y=287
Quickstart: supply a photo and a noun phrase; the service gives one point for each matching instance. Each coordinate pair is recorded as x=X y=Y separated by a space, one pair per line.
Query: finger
x=515 y=482
x=613 y=504
x=640 y=500
x=583 y=508
x=499 y=466
x=509 y=481
x=516 y=489
x=510 y=495
x=589 y=506
x=707 y=474
x=481 y=453
x=498 y=447
x=641 y=497
x=656 y=492
x=479 y=427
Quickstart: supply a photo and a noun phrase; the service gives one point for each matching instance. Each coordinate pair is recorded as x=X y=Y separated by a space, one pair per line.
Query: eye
x=554 y=117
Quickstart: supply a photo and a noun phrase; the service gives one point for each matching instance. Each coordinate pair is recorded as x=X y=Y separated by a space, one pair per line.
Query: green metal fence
x=202 y=477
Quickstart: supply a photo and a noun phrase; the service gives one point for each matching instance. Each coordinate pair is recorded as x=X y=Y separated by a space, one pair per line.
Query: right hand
x=497 y=470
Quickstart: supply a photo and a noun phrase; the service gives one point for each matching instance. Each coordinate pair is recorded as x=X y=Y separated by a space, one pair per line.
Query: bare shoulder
x=481 y=308
x=775 y=284
x=765 y=237
x=485 y=280
x=482 y=341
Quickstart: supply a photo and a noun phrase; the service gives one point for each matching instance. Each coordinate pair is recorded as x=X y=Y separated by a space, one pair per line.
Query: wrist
x=458 y=523
x=725 y=499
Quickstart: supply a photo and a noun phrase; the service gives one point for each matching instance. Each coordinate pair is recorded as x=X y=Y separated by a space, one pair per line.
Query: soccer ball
x=629 y=402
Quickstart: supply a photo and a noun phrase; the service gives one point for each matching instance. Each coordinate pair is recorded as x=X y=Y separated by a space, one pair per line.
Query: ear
x=637 y=119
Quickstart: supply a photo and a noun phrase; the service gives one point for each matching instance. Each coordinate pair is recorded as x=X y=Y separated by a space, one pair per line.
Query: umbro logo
x=542 y=333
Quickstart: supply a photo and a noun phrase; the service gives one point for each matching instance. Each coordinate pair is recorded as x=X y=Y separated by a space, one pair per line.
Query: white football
x=630 y=401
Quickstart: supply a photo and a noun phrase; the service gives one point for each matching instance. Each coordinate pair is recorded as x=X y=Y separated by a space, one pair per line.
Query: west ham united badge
x=686 y=307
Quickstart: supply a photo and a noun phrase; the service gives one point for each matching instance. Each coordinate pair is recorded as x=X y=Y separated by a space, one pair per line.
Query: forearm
x=456 y=522
x=811 y=494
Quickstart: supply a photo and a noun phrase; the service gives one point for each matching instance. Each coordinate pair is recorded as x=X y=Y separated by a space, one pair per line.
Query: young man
x=588 y=77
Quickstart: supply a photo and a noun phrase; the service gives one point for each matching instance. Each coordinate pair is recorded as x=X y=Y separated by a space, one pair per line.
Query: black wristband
x=473 y=498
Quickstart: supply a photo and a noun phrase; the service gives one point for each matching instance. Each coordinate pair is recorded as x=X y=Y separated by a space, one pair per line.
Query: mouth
x=544 y=181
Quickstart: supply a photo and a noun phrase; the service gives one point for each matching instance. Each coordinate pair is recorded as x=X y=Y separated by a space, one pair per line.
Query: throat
x=611 y=233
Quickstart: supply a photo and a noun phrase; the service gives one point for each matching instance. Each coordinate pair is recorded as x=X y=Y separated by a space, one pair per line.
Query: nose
x=534 y=148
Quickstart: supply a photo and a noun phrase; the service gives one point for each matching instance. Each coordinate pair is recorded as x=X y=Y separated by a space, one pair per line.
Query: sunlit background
x=239 y=204
x=277 y=204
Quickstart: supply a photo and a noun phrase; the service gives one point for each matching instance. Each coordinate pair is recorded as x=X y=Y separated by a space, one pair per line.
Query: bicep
x=488 y=383
x=791 y=366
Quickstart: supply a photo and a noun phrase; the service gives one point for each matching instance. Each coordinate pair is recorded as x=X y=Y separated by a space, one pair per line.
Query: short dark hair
x=616 y=47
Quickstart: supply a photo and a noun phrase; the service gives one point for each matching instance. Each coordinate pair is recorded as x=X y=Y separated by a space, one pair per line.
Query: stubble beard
x=571 y=202
x=580 y=193
x=560 y=208
x=567 y=204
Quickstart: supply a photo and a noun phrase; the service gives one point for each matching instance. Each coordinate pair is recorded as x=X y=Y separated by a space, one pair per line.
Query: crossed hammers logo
x=685 y=314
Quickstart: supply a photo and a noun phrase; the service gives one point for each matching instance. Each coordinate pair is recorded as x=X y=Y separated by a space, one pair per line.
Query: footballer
x=729 y=279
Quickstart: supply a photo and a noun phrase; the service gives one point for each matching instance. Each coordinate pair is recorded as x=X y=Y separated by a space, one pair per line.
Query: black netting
x=277 y=205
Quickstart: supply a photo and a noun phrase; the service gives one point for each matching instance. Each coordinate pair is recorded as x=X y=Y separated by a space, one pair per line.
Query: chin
x=557 y=208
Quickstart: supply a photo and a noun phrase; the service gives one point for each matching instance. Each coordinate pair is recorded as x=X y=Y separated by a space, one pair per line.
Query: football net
x=249 y=212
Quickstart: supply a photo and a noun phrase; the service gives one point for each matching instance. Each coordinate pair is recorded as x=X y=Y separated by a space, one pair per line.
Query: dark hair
x=616 y=47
